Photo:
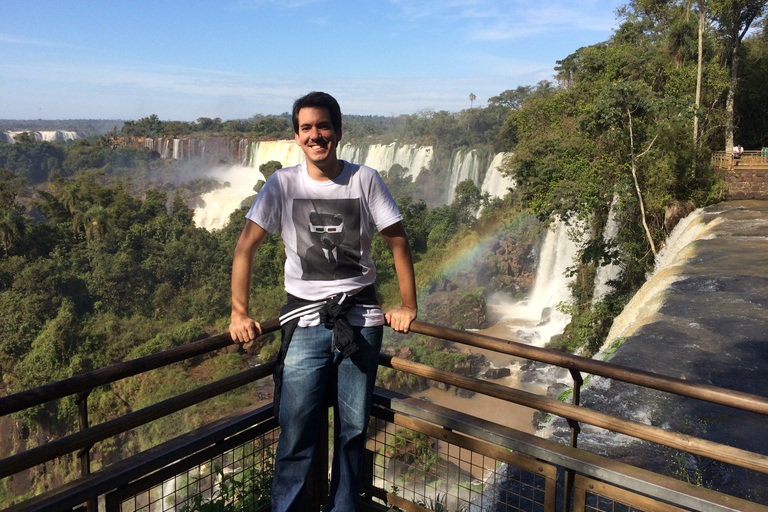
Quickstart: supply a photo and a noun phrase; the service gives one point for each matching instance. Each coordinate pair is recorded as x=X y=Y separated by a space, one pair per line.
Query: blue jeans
x=311 y=362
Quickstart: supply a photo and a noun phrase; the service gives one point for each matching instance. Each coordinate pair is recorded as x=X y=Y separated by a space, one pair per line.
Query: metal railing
x=444 y=426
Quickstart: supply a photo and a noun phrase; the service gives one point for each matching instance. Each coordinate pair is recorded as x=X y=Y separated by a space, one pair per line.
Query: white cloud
x=490 y=21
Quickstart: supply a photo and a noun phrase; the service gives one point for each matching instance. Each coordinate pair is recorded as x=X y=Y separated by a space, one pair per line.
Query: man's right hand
x=244 y=329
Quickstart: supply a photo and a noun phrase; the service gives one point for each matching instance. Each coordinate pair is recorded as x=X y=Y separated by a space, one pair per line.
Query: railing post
x=85 y=454
x=317 y=480
x=578 y=381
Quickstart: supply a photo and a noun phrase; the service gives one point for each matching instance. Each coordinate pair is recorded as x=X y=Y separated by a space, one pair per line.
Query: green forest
x=101 y=261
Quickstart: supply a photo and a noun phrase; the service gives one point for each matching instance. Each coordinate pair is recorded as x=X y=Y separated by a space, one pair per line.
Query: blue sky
x=181 y=60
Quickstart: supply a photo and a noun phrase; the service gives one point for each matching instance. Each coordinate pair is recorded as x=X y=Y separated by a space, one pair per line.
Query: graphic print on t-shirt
x=328 y=238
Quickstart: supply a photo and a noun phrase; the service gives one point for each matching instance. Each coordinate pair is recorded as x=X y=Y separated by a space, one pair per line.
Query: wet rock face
x=509 y=267
x=675 y=212
x=458 y=304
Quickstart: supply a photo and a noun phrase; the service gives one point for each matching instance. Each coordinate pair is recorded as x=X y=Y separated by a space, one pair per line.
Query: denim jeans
x=312 y=361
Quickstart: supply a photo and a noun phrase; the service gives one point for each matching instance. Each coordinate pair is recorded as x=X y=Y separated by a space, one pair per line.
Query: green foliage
x=412 y=448
x=267 y=169
x=31 y=159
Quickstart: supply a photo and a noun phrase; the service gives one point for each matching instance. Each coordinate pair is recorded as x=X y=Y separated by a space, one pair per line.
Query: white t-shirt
x=327 y=228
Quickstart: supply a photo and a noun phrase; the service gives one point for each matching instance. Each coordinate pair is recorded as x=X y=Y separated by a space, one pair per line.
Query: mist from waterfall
x=219 y=204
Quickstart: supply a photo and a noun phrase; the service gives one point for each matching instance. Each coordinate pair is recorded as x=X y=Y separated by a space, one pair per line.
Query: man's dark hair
x=318 y=100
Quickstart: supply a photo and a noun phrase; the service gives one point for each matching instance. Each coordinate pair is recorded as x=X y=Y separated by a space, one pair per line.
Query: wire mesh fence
x=454 y=473
x=237 y=480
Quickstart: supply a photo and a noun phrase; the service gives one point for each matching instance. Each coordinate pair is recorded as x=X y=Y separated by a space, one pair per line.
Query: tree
x=267 y=169
x=13 y=222
x=702 y=16
x=753 y=122
x=472 y=98
x=733 y=18
x=511 y=98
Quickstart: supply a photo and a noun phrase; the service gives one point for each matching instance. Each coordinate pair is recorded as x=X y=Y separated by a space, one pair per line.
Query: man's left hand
x=400 y=318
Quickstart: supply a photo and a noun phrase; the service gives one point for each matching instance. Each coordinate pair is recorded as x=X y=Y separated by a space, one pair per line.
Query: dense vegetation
x=101 y=261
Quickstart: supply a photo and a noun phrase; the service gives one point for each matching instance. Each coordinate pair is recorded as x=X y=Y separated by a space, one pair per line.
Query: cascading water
x=178 y=149
x=220 y=203
x=287 y=152
x=383 y=156
x=165 y=152
x=701 y=316
x=609 y=272
x=44 y=135
x=495 y=183
x=464 y=166
x=537 y=318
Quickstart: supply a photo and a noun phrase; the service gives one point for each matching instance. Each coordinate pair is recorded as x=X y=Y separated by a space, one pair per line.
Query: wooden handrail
x=710 y=449
x=714 y=394
x=88 y=437
x=115 y=372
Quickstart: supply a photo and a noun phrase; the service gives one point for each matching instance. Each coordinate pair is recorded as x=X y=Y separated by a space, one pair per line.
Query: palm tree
x=472 y=98
x=12 y=227
x=70 y=197
x=95 y=222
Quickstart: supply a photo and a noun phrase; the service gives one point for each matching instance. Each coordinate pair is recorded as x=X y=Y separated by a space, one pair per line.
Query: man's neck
x=326 y=172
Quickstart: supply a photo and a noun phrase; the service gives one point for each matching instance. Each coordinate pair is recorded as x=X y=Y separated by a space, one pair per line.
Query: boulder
x=497 y=373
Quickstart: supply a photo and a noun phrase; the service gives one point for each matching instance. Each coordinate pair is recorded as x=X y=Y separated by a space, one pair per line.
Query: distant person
x=737 y=151
x=326 y=211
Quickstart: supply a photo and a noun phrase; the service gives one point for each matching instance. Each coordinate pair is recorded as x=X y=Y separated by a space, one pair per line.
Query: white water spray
x=220 y=203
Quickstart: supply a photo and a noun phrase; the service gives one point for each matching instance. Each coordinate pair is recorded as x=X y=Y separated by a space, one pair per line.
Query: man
x=326 y=211
x=737 y=151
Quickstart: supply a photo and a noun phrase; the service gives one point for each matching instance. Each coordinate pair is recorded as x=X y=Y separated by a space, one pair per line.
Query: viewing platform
x=745 y=176
x=420 y=456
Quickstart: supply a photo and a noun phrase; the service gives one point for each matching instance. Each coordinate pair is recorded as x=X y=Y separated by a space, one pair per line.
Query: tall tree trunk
x=730 y=99
x=702 y=22
x=637 y=183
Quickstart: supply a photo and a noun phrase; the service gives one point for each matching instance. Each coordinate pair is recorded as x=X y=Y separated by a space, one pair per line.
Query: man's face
x=316 y=136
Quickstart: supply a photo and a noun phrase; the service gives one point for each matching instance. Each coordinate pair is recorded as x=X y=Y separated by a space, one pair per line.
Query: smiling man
x=326 y=211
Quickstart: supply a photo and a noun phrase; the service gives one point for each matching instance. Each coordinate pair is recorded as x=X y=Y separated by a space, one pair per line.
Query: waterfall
x=649 y=299
x=464 y=166
x=178 y=149
x=383 y=156
x=44 y=135
x=495 y=183
x=287 y=152
x=165 y=152
x=611 y=271
x=219 y=204
x=537 y=319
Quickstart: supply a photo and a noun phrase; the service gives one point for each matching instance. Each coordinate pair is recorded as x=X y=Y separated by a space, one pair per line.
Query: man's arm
x=242 y=328
x=400 y=318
